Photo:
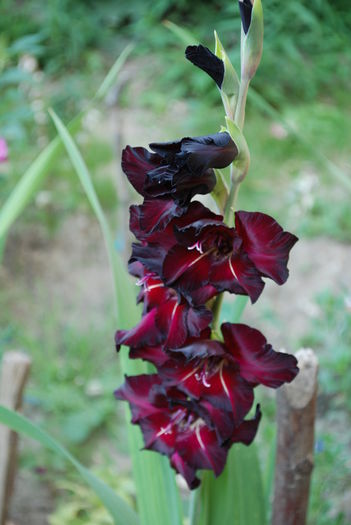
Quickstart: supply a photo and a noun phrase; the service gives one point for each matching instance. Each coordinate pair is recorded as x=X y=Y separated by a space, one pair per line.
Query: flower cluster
x=193 y=409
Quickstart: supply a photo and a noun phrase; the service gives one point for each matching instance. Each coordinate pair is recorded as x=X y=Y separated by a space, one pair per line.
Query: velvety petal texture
x=198 y=402
x=266 y=243
x=136 y=163
x=198 y=154
x=203 y=58
x=245 y=7
x=258 y=362
x=173 y=426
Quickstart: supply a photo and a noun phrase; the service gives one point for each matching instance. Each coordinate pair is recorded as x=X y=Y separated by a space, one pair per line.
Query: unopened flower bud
x=252 y=36
x=230 y=83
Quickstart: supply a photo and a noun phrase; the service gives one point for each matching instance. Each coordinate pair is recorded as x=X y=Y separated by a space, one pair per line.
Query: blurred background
x=55 y=288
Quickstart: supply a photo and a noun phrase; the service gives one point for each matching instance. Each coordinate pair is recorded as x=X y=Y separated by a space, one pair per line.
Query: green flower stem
x=239 y=118
x=236 y=177
x=226 y=105
x=231 y=201
x=228 y=218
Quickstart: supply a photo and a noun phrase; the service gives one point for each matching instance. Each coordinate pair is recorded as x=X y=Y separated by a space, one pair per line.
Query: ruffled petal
x=179 y=183
x=198 y=154
x=188 y=473
x=201 y=348
x=144 y=333
x=246 y=432
x=152 y=216
x=200 y=449
x=266 y=243
x=186 y=269
x=136 y=391
x=149 y=255
x=153 y=292
x=152 y=354
x=136 y=162
x=259 y=363
x=158 y=432
x=238 y=275
x=222 y=421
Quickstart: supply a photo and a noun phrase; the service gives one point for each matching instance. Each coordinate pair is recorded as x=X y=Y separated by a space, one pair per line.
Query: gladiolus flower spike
x=197 y=403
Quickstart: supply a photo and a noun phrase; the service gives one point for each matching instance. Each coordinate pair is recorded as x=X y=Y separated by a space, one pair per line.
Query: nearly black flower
x=223 y=374
x=198 y=253
x=203 y=58
x=198 y=154
x=178 y=170
x=167 y=318
x=152 y=176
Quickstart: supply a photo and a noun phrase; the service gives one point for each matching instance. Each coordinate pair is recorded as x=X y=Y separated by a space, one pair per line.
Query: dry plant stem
x=14 y=374
x=296 y=411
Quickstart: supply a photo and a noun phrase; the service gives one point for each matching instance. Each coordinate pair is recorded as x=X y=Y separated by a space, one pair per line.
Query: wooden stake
x=296 y=411
x=13 y=376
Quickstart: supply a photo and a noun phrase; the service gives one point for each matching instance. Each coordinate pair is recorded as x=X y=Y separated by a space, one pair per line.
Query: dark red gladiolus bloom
x=209 y=252
x=167 y=318
x=154 y=221
x=215 y=382
x=221 y=376
x=224 y=374
x=193 y=410
x=246 y=350
x=176 y=427
x=206 y=252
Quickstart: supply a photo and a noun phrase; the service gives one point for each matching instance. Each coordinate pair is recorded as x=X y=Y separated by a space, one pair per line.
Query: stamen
x=142 y=280
x=200 y=257
x=197 y=246
x=204 y=380
x=165 y=430
x=147 y=276
x=225 y=388
x=202 y=376
x=232 y=269
x=194 y=371
x=174 y=311
x=148 y=288
x=175 y=420
x=198 y=435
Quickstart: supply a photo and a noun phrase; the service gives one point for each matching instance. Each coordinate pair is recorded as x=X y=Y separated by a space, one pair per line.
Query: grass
x=74 y=373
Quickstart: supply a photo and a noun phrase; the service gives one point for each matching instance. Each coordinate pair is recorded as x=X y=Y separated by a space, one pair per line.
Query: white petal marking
x=232 y=269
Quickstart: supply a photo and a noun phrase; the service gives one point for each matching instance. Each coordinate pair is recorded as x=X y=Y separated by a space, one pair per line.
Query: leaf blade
x=153 y=476
x=236 y=496
x=121 y=512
